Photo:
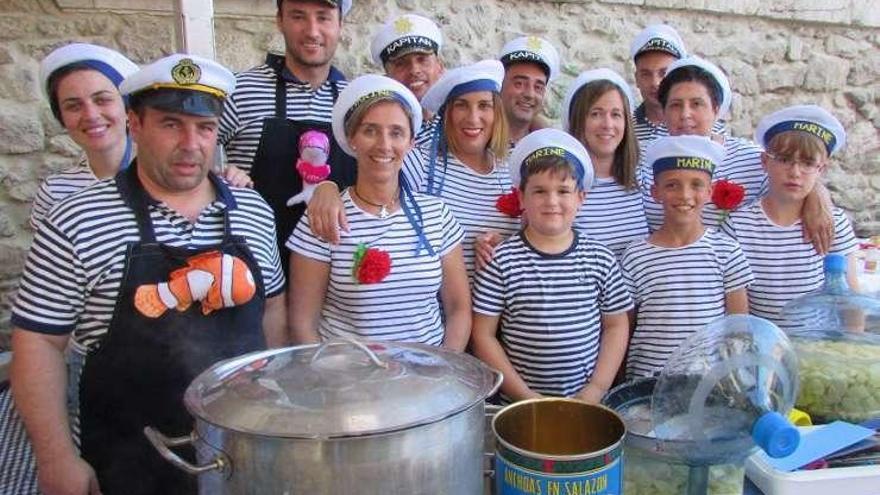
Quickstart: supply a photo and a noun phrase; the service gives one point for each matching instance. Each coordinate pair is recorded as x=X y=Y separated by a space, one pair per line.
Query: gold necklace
x=383 y=208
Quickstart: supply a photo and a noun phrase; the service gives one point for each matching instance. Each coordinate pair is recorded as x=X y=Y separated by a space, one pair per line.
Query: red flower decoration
x=371 y=265
x=509 y=204
x=727 y=196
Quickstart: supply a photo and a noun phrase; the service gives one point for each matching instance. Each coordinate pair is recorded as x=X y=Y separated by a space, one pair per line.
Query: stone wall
x=793 y=51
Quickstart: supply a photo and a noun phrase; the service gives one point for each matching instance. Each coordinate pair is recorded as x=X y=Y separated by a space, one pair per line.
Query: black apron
x=139 y=373
x=274 y=168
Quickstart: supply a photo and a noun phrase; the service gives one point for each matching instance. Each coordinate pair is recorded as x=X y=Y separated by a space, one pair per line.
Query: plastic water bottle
x=834 y=305
x=728 y=388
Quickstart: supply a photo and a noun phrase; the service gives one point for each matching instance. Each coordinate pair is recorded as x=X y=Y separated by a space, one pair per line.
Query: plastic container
x=728 y=388
x=839 y=361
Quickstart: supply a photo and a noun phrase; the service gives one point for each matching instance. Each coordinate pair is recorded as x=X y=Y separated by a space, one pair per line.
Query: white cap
x=198 y=85
x=714 y=71
x=111 y=63
x=550 y=142
x=534 y=50
x=405 y=34
x=684 y=153
x=365 y=89
x=587 y=77
x=486 y=75
x=344 y=8
x=811 y=119
x=658 y=38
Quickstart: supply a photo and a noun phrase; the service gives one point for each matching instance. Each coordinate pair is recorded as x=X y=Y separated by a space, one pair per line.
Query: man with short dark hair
x=147 y=279
x=530 y=64
x=277 y=102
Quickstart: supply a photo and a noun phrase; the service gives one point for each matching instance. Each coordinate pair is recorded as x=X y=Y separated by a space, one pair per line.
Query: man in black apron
x=159 y=274
x=283 y=98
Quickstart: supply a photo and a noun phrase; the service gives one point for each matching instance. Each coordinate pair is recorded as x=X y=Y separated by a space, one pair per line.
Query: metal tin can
x=558 y=446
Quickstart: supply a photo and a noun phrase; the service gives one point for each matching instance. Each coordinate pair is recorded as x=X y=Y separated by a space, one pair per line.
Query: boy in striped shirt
x=684 y=275
x=559 y=297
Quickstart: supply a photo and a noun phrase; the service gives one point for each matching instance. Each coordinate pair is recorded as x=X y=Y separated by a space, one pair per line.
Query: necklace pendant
x=383 y=212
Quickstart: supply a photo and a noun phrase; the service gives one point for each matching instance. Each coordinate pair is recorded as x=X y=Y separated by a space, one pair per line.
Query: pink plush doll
x=314 y=148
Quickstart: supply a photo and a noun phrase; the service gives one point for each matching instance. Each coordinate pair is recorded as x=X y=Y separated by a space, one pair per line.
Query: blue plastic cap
x=835 y=263
x=775 y=435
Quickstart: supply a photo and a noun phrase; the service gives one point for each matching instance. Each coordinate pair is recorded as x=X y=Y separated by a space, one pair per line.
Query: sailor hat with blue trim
x=344 y=6
x=684 y=153
x=658 y=38
x=811 y=119
x=181 y=83
x=405 y=34
x=110 y=63
x=587 y=77
x=551 y=142
x=366 y=89
x=534 y=50
x=713 y=70
x=485 y=75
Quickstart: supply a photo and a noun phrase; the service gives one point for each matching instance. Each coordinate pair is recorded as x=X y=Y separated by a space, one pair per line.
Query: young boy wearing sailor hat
x=683 y=275
x=530 y=64
x=581 y=304
x=798 y=142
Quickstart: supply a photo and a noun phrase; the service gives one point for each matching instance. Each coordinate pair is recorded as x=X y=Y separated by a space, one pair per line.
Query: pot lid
x=339 y=389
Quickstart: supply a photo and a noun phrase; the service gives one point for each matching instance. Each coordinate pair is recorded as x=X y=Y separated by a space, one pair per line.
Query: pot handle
x=499 y=379
x=347 y=340
x=162 y=443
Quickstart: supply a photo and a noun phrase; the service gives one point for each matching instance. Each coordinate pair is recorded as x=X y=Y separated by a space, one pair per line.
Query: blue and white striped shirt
x=59 y=186
x=551 y=307
x=612 y=215
x=677 y=291
x=785 y=266
x=405 y=305
x=254 y=101
x=71 y=280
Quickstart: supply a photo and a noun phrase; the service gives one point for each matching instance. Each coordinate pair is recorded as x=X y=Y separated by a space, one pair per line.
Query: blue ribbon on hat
x=698 y=163
x=571 y=158
x=414 y=215
x=105 y=69
x=829 y=139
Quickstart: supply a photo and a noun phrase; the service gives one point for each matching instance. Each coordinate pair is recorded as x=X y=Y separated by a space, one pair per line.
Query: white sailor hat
x=684 y=153
x=181 y=83
x=551 y=142
x=110 y=63
x=713 y=70
x=485 y=75
x=811 y=119
x=405 y=34
x=658 y=38
x=366 y=89
x=534 y=50
x=588 y=77
x=344 y=5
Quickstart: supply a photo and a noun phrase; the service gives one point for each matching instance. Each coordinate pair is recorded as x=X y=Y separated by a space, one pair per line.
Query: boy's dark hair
x=690 y=73
x=279 y=3
x=556 y=165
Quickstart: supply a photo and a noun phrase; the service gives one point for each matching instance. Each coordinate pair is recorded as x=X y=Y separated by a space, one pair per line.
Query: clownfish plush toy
x=214 y=279
x=314 y=149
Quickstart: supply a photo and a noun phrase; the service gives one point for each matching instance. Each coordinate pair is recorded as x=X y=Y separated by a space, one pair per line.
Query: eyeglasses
x=788 y=162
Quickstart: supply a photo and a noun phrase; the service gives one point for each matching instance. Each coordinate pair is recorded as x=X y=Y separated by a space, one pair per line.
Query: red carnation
x=509 y=204
x=727 y=196
x=371 y=265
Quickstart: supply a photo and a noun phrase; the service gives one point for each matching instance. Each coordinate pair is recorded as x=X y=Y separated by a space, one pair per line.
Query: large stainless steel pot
x=342 y=417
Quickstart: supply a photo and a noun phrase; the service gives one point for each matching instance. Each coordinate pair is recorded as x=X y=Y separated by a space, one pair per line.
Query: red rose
x=371 y=265
x=509 y=204
x=727 y=195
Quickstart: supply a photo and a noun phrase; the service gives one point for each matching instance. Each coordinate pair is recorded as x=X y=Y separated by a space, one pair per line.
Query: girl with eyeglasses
x=799 y=141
